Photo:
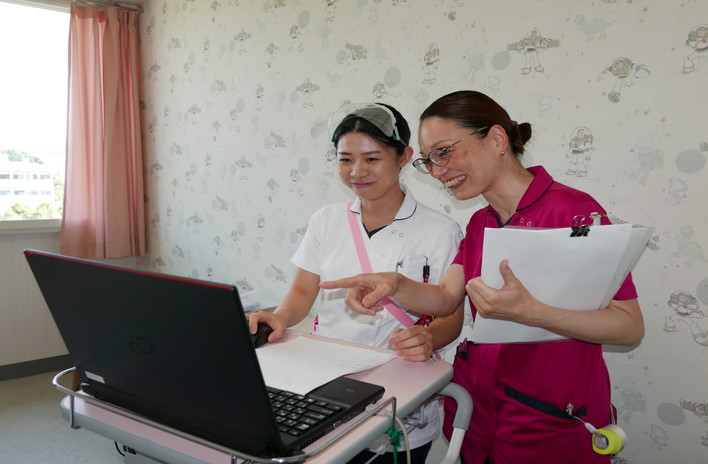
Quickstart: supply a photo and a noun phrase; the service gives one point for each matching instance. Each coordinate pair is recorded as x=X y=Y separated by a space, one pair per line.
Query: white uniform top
x=417 y=234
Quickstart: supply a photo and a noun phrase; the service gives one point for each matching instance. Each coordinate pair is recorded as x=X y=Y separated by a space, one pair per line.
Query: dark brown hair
x=474 y=110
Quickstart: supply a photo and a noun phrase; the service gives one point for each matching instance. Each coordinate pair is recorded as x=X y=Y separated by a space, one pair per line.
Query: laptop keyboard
x=297 y=414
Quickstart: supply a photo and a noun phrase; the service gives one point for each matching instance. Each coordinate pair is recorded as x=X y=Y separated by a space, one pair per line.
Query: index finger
x=347 y=282
x=365 y=291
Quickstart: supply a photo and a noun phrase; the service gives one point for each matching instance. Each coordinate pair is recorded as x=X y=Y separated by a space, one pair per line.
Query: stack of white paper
x=302 y=364
x=577 y=273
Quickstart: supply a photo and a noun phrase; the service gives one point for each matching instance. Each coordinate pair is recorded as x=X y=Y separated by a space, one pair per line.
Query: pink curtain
x=103 y=213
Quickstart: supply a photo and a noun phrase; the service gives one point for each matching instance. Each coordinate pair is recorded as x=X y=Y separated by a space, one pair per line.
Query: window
x=33 y=91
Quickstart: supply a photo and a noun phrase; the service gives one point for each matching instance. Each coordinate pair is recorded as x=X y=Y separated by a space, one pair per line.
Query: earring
x=503 y=152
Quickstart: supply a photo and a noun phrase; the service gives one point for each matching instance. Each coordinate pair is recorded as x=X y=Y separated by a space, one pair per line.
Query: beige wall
x=237 y=92
x=27 y=330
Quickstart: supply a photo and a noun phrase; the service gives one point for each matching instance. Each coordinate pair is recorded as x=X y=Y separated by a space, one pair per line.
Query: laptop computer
x=178 y=351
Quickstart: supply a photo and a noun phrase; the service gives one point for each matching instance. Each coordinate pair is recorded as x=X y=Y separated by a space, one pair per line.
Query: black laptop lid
x=176 y=350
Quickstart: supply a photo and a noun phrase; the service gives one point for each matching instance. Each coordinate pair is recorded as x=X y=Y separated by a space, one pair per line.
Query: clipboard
x=560 y=267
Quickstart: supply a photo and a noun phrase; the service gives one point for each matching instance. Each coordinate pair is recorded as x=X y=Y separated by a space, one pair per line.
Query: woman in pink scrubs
x=530 y=399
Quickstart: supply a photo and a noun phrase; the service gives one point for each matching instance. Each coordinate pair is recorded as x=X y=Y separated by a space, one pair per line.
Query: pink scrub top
x=522 y=390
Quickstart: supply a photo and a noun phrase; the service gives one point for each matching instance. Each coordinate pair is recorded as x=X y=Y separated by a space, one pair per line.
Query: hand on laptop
x=276 y=321
x=413 y=344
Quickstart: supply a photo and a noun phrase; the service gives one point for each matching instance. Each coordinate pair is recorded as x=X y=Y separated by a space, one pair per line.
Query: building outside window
x=33 y=92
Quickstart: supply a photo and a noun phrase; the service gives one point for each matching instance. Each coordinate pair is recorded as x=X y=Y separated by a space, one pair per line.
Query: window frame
x=30 y=226
x=24 y=226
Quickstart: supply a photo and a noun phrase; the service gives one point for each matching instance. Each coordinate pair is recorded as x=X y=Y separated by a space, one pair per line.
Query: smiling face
x=368 y=167
x=475 y=163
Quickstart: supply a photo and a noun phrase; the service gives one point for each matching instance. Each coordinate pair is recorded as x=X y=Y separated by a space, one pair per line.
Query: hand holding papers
x=577 y=273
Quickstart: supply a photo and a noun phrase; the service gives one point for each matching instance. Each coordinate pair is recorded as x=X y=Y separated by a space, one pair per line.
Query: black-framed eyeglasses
x=440 y=156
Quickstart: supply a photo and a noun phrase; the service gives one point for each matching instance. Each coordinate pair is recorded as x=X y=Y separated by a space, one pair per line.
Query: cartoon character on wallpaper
x=430 y=63
x=693 y=251
x=275 y=273
x=653 y=243
x=260 y=92
x=330 y=6
x=493 y=85
x=156 y=169
x=545 y=103
x=474 y=61
x=296 y=39
x=306 y=89
x=631 y=398
x=624 y=70
x=273 y=187
x=580 y=150
x=271 y=51
x=234 y=125
x=177 y=251
x=155 y=224
x=592 y=27
x=677 y=191
x=244 y=286
x=618 y=460
x=355 y=52
x=275 y=141
x=241 y=38
x=452 y=14
x=260 y=227
x=379 y=91
x=701 y=411
x=530 y=46
x=236 y=242
x=206 y=46
x=698 y=41
x=296 y=182
x=658 y=437
x=686 y=309
x=648 y=156
x=243 y=163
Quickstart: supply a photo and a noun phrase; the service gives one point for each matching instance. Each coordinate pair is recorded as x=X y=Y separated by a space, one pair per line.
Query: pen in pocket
x=425 y=320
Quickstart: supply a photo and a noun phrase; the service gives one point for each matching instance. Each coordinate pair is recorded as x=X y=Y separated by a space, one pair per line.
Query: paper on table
x=578 y=273
x=302 y=364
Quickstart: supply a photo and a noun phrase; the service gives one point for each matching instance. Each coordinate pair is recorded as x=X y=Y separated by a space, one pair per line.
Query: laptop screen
x=173 y=349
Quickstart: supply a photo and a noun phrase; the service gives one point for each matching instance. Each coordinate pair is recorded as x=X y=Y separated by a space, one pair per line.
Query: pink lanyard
x=397 y=312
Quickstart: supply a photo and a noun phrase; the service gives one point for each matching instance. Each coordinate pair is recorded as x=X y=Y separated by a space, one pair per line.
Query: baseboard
x=37 y=366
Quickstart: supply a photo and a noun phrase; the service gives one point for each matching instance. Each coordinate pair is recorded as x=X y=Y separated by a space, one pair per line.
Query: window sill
x=30 y=226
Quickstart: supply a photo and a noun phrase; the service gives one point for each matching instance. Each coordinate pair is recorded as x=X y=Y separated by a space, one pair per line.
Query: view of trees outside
x=33 y=95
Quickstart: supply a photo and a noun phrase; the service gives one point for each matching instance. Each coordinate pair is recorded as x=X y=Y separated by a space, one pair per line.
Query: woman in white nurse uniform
x=387 y=227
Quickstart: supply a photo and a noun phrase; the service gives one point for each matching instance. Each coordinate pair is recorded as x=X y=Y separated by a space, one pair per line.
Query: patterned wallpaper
x=237 y=92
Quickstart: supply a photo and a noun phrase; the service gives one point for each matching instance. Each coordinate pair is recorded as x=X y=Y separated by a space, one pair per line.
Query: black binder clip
x=579 y=228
